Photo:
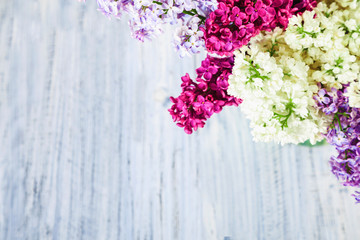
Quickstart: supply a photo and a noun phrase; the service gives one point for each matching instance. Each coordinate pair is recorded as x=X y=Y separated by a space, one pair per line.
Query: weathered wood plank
x=88 y=149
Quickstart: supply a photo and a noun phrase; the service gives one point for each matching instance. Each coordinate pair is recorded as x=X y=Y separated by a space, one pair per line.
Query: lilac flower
x=192 y=44
x=340 y=139
x=344 y=135
x=356 y=195
x=205 y=7
x=186 y=4
x=138 y=4
x=321 y=98
x=111 y=8
x=237 y=16
x=194 y=30
x=245 y=19
x=328 y=102
x=147 y=18
x=206 y=70
x=200 y=100
x=188 y=38
x=172 y=10
x=330 y=109
x=260 y=10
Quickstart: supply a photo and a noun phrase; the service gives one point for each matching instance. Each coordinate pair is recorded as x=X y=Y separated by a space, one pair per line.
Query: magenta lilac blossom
x=234 y=23
x=207 y=95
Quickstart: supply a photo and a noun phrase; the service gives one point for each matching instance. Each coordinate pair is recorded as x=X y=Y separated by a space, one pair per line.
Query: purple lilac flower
x=344 y=135
x=147 y=18
x=205 y=7
x=145 y=22
x=112 y=8
x=188 y=38
x=356 y=195
x=321 y=98
x=201 y=99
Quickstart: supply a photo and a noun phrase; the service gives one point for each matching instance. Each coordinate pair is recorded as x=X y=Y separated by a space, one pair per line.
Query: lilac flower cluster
x=344 y=134
x=112 y=8
x=235 y=22
x=201 y=99
x=147 y=18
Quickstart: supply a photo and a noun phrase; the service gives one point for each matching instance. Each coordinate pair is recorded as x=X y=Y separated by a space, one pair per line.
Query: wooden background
x=89 y=151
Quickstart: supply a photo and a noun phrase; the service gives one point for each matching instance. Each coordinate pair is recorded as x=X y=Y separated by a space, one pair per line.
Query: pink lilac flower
x=207 y=95
x=344 y=135
x=235 y=22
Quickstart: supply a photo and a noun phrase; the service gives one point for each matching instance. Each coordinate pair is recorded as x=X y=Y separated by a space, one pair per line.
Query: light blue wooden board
x=89 y=151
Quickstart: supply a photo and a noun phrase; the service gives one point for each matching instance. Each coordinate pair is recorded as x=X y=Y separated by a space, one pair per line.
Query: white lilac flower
x=277 y=96
x=353 y=93
x=352 y=4
x=330 y=40
x=352 y=27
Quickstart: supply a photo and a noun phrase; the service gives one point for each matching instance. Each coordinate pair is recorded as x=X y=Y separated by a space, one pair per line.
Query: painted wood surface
x=89 y=151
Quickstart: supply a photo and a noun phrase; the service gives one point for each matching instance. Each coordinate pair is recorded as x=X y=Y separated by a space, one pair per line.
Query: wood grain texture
x=89 y=151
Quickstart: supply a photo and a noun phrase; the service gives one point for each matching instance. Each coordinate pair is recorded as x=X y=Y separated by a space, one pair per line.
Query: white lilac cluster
x=331 y=41
x=277 y=94
x=352 y=4
x=278 y=73
x=353 y=93
x=328 y=40
x=148 y=17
